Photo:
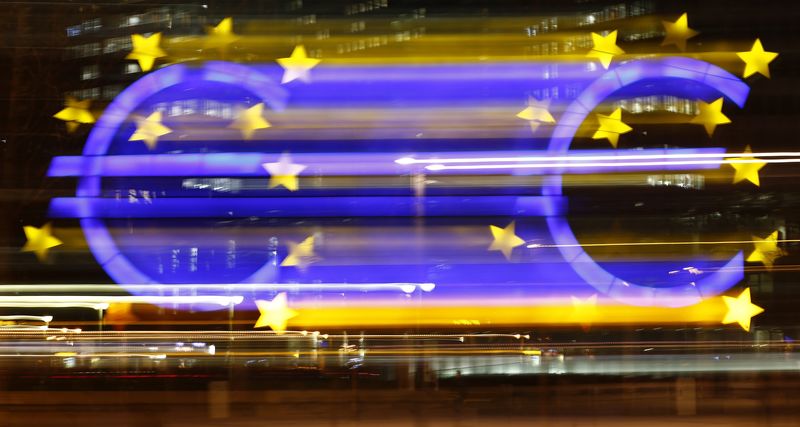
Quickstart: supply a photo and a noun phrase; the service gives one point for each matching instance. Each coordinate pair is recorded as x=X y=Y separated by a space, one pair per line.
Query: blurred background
x=409 y=212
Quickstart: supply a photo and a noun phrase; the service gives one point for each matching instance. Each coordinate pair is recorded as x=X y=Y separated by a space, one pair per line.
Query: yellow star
x=275 y=313
x=149 y=129
x=747 y=171
x=40 y=240
x=536 y=113
x=678 y=32
x=741 y=310
x=757 y=60
x=249 y=120
x=283 y=172
x=75 y=113
x=605 y=48
x=146 y=50
x=297 y=66
x=221 y=36
x=710 y=116
x=611 y=127
x=300 y=254
x=505 y=240
x=766 y=251
x=584 y=311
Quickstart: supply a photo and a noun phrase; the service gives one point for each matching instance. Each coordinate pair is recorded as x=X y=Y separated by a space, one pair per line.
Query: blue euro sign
x=221 y=254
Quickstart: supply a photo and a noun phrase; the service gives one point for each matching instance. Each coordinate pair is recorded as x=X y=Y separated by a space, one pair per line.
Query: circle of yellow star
x=249 y=120
x=75 y=113
x=757 y=60
x=741 y=310
x=300 y=254
x=297 y=66
x=40 y=240
x=275 y=313
x=766 y=251
x=747 y=171
x=678 y=32
x=710 y=116
x=149 y=129
x=611 y=127
x=605 y=48
x=221 y=36
x=537 y=113
x=146 y=50
x=505 y=239
x=283 y=172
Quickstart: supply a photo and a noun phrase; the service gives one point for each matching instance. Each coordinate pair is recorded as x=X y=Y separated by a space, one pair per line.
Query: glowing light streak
x=710 y=311
x=599 y=165
x=293 y=207
x=579 y=157
x=707 y=242
x=49 y=300
x=233 y=287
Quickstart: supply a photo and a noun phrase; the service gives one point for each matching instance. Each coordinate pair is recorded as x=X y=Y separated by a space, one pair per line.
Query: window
x=131 y=68
x=357 y=26
x=116 y=44
x=74 y=31
x=131 y=21
x=85 y=50
x=91 y=25
x=89 y=72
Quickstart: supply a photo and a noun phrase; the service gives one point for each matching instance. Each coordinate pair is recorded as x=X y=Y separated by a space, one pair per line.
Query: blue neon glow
x=324 y=164
x=168 y=251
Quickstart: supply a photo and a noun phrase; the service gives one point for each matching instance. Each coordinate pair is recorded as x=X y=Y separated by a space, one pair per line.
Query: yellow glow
x=283 y=173
x=75 y=113
x=710 y=116
x=300 y=254
x=767 y=250
x=146 y=50
x=709 y=311
x=297 y=66
x=741 y=310
x=249 y=120
x=747 y=171
x=605 y=48
x=275 y=313
x=221 y=36
x=505 y=239
x=40 y=240
x=757 y=60
x=149 y=129
x=611 y=127
x=678 y=32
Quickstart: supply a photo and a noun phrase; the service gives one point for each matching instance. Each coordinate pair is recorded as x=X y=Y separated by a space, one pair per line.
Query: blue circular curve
x=730 y=86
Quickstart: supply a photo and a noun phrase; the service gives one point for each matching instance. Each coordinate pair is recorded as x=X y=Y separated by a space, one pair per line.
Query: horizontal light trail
x=331 y=164
x=600 y=165
x=294 y=207
x=94 y=300
x=232 y=287
x=579 y=157
x=719 y=242
x=709 y=311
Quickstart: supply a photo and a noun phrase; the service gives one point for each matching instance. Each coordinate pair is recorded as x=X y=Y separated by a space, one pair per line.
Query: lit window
x=89 y=72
